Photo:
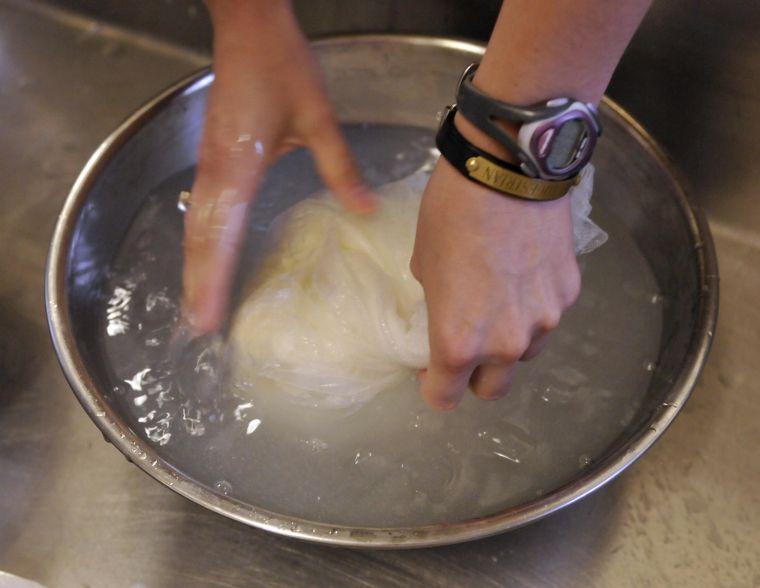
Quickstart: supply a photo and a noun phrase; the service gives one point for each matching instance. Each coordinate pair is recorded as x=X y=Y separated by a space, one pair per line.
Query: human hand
x=266 y=99
x=497 y=272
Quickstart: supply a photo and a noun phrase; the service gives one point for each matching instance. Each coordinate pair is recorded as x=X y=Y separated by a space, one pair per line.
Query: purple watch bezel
x=585 y=150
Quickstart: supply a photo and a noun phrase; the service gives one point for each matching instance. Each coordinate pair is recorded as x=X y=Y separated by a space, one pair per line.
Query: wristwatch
x=484 y=168
x=555 y=138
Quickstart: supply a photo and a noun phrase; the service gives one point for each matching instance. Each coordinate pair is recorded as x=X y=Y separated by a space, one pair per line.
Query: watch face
x=566 y=143
x=563 y=145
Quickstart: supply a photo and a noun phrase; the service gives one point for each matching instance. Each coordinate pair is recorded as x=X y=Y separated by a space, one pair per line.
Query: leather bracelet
x=483 y=168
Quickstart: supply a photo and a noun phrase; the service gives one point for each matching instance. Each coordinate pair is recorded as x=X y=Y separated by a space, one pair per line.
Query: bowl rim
x=142 y=454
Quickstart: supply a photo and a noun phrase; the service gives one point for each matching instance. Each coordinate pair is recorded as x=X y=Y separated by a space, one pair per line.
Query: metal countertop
x=74 y=512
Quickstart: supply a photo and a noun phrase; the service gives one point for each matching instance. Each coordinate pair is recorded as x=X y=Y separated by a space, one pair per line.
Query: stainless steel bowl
x=384 y=79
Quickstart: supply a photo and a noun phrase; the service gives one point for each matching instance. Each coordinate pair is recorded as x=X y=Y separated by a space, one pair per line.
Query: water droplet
x=315 y=444
x=359 y=457
x=240 y=410
x=511 y=458
x=223 y=487
x=584 y=460
x=137 y=381
x=252 y=426
x=191 y=419
x=159 y=432
x=147 y=418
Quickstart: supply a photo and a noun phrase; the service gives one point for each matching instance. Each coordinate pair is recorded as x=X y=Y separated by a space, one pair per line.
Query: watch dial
x=566 y=144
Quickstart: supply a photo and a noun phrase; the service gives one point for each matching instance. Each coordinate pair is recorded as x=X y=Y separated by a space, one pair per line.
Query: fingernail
x=446 y=405
x=493 y=397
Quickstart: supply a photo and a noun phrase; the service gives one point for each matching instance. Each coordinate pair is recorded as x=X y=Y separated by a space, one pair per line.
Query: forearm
x=543 y=49
x=249 y=33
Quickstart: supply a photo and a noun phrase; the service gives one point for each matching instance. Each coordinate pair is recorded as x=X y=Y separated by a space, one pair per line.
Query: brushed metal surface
x=73 y=513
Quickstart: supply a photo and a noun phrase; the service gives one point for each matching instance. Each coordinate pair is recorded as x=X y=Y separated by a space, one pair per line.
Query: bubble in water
x=556 y=394
x=511 y=458
x=511 y=442
x=136 y=382
x=240 y=410
x=160 y=431
x=191 y=419
x=158 y=302
x=223 y=487
x=165 y=396
x=315 y=444
x=252 y=426
x=117 y=310
x=362 y=457
x=584 y=460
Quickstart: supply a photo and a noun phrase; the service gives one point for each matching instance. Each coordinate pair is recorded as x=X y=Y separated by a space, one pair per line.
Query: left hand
x=266 y=99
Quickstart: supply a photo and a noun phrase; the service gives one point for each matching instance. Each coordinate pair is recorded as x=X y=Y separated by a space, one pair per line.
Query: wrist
x=250 y=24
x=485 y=168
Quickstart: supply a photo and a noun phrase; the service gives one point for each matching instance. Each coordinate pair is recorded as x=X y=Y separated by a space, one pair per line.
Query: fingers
x=491 y=381
x=337 y=167
x=215 y=225
x=442 y=388
x=214 y=231
x=487 y=375
x=536 y=346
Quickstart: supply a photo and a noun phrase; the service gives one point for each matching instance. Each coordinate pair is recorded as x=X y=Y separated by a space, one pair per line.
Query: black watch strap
x=483 y=168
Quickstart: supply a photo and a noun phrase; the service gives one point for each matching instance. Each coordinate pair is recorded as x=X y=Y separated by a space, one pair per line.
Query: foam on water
x=392 y=462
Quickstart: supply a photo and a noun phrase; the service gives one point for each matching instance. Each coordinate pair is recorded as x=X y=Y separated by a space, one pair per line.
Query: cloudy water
x=393 y=461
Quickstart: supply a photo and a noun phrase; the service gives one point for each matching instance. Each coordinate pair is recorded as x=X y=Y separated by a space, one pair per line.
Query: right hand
x=266 y=99
x=498 y=272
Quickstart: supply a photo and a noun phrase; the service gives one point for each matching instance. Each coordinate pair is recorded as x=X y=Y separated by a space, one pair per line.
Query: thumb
x=336 y=165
